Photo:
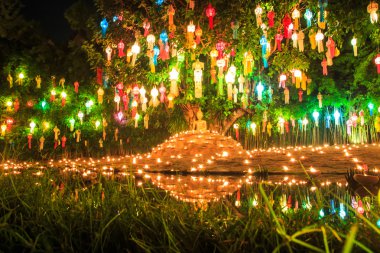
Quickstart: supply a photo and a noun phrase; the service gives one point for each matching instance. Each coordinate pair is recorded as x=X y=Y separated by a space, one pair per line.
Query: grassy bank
x=56 y=213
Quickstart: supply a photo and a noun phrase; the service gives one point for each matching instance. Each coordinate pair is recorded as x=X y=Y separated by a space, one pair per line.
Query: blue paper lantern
x=160 y=2
x=156 y=52
x=164 y=37
x=104 y=26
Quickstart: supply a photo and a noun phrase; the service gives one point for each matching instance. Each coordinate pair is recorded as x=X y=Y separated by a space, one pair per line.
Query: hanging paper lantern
x=372 y=9
x=32 y=126
x=213 y=54
x=300 y=93
x=198 y=73
x=258 y=13
x=319 y=38
x=298 y=77
x=52 y=95
x=97 y=124
x=72 y=124
x=220 y=46
x=264 y=44
x=342 y=212
x=235 y=93
x=300 y=38
x=162 y=91
x=221 y=63
x=104 y=26
x=134 y=108
x=353 y=43
x=171 y=12
x=377 y=62
x=173 y=77
x=109 y=53
x=135 y=52
x=322 y=5
x=3 y=129
x=330 y=44
x=150 y=39
x=76 y=86
x=156 y=53
x=170 y=100
x=279 y=38
x=120 y=47
x=100 y=95
x=282 y=81
x=198 y=34
x=247 y=62
x=324 y=67
x=164 y=46
x=316 y=118
x=230 y=79
x=241 y=81
x=336 y=117
x=146 y=26
x=236 y=127
x=30 y=136
x=295 y=39
x=260 y=89
x=117 y=101
x=154 y=93
x=143 y=98
x=63 y=98
x=296 y=17
x=129 y=55
x=190 y=34
x=271 y=14
x=308 y=16
x=312 y=39
x=191 y=4
x=160 y=2
x=319 y=97
x=80 y=116
x=370 y=107
x=210 y=13
x=286 y=22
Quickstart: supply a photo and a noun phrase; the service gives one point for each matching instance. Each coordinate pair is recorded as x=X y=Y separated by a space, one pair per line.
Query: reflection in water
x=196 y=188
x=286 y=192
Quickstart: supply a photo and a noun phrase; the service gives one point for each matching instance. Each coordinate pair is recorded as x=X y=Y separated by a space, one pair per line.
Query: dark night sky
x=50 y=14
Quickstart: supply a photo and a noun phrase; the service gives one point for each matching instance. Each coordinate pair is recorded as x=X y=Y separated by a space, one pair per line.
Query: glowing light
x=89 y=103
x=342 y=212
x=315 y=115
x=120 y=116
x=97 y=124
x=21 y=76
x=321 y=213
x=80 y=116
x=32 y=126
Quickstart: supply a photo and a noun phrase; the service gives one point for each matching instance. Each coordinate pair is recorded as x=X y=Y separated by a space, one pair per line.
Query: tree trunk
x=235 y=116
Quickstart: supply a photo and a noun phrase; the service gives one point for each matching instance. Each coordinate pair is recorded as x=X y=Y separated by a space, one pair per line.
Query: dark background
x=50 y=15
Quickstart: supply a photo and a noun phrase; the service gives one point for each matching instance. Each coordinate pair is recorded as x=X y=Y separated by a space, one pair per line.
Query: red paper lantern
x=210 y=13
x=377 y=62
x=270 y=16
x=286 y=21
x=220 y=46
